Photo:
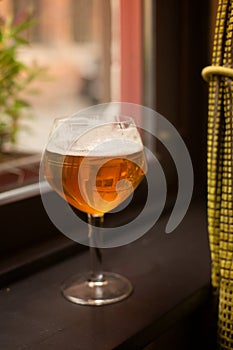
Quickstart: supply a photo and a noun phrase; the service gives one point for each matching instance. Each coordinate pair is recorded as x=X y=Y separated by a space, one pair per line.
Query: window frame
x=189 y=117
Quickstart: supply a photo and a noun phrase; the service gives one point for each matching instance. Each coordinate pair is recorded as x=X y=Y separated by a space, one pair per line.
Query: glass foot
x=113 y=288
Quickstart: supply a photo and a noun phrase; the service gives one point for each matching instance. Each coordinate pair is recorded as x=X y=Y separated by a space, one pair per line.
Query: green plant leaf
x=21 y=40
x=3 y=126
x=21 y=104
x=22 y=26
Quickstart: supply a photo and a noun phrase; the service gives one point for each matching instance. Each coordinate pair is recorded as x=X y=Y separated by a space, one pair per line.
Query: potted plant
x=15 y=77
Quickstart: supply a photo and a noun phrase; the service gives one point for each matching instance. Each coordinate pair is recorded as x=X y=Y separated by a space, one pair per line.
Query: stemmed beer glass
x=95 y=162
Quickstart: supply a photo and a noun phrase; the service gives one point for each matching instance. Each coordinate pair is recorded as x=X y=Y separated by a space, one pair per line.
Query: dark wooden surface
x=170 y=274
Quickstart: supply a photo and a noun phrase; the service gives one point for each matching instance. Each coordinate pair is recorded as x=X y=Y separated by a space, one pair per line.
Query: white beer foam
x=107 y=148
x=95 y=141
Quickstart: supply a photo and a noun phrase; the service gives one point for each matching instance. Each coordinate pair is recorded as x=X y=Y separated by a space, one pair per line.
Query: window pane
x=69 y=40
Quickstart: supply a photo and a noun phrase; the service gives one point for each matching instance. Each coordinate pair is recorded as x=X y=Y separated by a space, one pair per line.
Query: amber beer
x=94 y=184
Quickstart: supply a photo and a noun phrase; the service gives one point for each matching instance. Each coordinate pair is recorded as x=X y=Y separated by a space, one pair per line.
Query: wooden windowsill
x=170 y=275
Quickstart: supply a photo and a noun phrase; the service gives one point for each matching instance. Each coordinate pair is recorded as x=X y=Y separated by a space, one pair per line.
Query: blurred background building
x=77 y=43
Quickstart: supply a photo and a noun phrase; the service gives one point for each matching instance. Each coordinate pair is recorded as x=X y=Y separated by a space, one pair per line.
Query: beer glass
x=95 y=162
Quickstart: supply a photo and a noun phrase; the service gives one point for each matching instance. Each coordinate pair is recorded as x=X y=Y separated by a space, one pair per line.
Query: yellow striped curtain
x=220 y=168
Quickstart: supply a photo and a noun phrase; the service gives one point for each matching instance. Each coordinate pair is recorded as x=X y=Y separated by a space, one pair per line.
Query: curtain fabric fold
x=219 y=172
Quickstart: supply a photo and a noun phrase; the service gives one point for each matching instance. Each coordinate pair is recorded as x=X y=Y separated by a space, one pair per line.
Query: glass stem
x=95 y=224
